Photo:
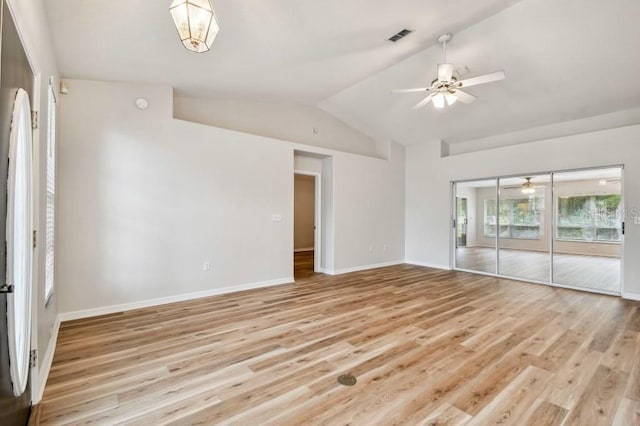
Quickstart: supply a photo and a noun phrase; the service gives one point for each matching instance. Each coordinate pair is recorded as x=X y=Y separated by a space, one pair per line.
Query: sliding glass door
x=563 y=228
x=524 y=224
x=588 y=229
x=477 y=250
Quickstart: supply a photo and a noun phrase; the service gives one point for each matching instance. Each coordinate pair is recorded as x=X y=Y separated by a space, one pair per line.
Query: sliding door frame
x=550 y=282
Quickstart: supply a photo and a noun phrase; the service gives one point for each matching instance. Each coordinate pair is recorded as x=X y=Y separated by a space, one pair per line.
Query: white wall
x=145 y=199
x=429 y=176
x=369 y=217
x=280 y=120
x=304 y=201
x=30 y=20
x=307 y=163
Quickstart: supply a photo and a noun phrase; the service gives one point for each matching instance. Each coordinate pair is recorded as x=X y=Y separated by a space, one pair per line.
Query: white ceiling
x=564 y=60
x=294 y=50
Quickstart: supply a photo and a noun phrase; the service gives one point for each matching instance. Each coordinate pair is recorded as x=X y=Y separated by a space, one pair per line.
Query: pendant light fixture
x=196 y=23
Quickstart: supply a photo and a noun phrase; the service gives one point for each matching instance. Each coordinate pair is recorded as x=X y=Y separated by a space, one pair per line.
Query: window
x=519 y=218
x=19 y=242
x=589 y=218
x=51 y=194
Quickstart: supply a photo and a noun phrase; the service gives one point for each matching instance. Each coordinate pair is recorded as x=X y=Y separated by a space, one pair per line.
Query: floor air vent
x=347 y=379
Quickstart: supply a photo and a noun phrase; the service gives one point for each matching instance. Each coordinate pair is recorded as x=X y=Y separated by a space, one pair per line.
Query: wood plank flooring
x=426 y=346
x=593 y=272
x=303 y=262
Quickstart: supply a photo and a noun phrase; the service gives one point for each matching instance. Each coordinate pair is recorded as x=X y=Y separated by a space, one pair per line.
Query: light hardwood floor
x=303 y=265
x=427 y=347
x=592 y=272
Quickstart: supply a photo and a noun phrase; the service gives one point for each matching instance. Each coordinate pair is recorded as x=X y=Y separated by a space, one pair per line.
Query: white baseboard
x=104 y=310
x=303 y=249
x=631 y=296
x=45 y=364
x=364 y=267
x=427 y=265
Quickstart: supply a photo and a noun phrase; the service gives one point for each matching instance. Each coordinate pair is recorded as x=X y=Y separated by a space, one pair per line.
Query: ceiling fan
x=446 y=89
x=527 y=188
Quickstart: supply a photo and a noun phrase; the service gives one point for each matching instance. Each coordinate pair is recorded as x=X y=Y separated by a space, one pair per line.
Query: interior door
x=15 y=74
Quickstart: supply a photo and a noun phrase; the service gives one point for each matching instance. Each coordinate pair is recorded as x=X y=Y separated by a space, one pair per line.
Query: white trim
x=585 y=289
x=104 y=310
x=364 y=267
x=45 y=364
x=428 y=265
x=631 y=296
x=623 y=206
x=317 y=217
x=35 y=224
x=300 y=250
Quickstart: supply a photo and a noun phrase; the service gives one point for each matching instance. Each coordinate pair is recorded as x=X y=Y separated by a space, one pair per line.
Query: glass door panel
x=588 y=229
x=524 y=227
x=462 y=221
x=475 y=241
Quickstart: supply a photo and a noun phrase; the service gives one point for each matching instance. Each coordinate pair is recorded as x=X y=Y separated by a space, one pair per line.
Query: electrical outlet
x=276 y=218
x=206 y=266
x=370 y=248
x=384 y=247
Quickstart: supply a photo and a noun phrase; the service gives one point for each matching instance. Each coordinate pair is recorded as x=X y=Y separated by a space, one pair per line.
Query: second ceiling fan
x=446 y=89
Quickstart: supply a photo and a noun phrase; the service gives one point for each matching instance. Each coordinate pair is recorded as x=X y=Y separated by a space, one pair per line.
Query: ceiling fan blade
x=423 y=102
x=482 y=79
x=416 y=90
x=464 y=97
x=445 y=72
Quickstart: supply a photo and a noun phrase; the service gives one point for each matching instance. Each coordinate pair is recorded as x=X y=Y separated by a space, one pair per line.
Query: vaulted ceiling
x=294 y=50
x=564 y=59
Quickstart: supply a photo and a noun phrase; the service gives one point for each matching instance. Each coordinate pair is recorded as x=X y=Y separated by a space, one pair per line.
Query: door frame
x=317 y=217
x=551 y=283
x=31 y=48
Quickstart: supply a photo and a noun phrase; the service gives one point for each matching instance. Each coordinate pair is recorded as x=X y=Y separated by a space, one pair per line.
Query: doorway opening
x=564 y=229
x=306 y=224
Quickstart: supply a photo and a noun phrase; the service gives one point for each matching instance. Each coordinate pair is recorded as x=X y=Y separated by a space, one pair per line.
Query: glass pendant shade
x=450 y=97
x=196 y=23
x=438 y=100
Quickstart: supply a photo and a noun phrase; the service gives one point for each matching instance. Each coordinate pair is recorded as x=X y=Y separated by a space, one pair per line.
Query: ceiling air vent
x=400 y=35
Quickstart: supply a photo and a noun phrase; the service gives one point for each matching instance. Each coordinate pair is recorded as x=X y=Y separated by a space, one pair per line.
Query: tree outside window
x=589 y=218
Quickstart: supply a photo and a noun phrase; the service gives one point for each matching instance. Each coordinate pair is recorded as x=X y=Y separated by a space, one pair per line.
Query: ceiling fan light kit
x=445 y=90
x=196 y=23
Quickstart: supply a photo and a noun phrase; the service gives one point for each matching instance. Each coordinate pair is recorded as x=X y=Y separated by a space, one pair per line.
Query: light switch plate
x=276 y=218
